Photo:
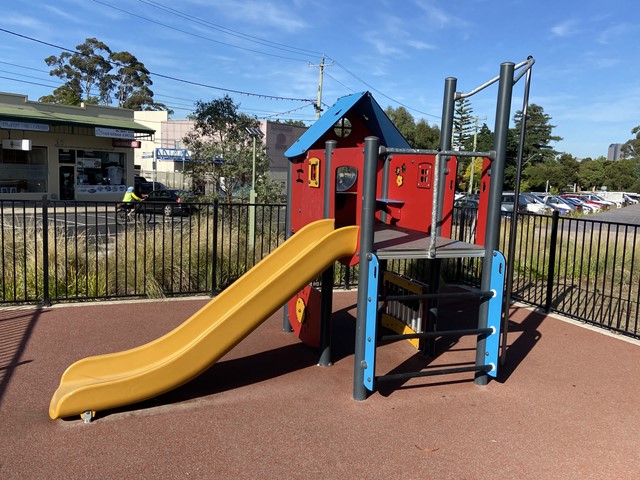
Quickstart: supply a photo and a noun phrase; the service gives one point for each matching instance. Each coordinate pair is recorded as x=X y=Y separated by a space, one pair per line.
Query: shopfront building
x=66 y=152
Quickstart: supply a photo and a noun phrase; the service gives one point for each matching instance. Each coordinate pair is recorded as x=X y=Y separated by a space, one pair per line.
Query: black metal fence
x=57 y=252
x=579 y=267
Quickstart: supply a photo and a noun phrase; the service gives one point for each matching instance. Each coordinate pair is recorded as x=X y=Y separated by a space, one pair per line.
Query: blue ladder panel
x=371 y=324
x=492 y=346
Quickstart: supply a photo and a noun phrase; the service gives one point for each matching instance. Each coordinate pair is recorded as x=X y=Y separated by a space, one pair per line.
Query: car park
x=581 y=205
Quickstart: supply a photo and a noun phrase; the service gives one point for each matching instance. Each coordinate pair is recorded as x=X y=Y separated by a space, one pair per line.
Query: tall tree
x=93 y=73
x=419 y=135
x=426 y=136
x=403 y=121
x=131 y=83
x=222 y=149
x=631 y=149
x=86 y=71
x=538 y=144
x=463 y=123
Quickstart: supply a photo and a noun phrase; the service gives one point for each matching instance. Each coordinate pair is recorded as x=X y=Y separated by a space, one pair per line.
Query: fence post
x=552 y=259
x=214 y=249
x=46 y=298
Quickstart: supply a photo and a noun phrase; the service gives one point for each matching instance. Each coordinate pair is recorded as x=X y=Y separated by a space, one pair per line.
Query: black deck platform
x=394 y=243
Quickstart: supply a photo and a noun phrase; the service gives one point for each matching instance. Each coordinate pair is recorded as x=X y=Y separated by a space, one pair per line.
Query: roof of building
x=362 y=104
x=17 y=108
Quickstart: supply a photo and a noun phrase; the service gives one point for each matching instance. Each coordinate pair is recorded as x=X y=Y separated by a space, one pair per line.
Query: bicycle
x=129 y=213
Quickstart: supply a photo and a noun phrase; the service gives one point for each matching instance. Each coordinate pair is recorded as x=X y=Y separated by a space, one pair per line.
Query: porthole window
x=342 y=128
x=346 y=177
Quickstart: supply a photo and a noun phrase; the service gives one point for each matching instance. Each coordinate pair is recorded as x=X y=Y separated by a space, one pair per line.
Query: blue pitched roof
x=362 y=104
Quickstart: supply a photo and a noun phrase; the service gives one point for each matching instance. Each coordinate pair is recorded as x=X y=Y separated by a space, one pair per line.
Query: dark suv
x=142 y=186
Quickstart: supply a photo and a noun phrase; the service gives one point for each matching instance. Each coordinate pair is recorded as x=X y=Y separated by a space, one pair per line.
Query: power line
x=229 y=31
x=168 y=77
x=381 y=93
x=202 y=37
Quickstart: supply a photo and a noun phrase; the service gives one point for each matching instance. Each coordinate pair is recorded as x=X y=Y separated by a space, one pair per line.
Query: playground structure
x=358 y=193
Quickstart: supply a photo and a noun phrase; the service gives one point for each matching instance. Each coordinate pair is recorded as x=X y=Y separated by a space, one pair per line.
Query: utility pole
x=475 y=144
x=320 y=80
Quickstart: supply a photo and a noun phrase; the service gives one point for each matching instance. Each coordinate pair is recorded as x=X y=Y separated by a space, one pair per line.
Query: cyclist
x=130 y=196
x=128 y=199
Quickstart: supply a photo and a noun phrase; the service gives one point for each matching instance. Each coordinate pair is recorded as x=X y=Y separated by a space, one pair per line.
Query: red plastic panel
x=483 y=201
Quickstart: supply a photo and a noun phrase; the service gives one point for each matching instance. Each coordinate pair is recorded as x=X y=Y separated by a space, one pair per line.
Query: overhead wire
x=168 y=77
x=201 y=37
x=229 y=31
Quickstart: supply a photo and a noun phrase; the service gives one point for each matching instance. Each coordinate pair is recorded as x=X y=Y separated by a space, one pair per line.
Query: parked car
x=169 y=202
x=559 y=204
x=468 y=204
x=535 y=205
x=580 y=205
x=142 y=186
x=508 y=200
x=605 y=204
x=595 y=207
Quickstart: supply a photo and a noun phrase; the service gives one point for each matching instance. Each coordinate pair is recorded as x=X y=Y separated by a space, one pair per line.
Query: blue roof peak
x=362 y=103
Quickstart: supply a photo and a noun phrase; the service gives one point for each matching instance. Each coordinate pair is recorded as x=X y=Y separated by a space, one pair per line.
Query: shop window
x=23 y=171
x=99 y=172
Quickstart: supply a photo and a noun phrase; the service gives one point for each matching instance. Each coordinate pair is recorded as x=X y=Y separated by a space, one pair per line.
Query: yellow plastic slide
x=117 y=379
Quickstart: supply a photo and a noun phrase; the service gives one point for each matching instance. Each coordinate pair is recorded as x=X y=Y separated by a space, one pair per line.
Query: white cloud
x=565 y=29
x=439 y=18
x=264 y=14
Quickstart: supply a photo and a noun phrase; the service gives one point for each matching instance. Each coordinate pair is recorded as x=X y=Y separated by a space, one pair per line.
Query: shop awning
x=10 y=114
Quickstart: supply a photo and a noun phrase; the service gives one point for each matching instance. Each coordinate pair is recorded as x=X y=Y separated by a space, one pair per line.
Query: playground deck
x=565 y=407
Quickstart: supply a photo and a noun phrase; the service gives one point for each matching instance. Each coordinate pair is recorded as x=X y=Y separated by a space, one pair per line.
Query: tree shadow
x=16 y=328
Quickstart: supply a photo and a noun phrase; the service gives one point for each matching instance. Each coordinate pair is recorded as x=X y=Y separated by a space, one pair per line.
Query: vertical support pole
x=252 y=200
x=555 y=216
x=492 y=236
x=214 y=249
x=514 y=222
x=367 y=218
x=286 y=324
x=446 y=132
x=46 y=299
x=326 y=284
x=384 y=188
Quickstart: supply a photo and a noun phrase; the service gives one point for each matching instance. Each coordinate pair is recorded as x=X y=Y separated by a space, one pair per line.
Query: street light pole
x=252 y=196
x=254 y=133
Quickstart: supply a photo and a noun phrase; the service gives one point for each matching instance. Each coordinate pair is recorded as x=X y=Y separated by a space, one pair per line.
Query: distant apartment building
x=170 y=156
x=615 y=152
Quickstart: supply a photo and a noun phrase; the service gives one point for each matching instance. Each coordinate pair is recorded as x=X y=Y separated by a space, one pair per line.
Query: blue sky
x=586 y=75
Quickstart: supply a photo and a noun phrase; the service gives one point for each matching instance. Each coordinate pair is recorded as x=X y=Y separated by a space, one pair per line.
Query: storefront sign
x=126 y=143
x=16 y=145
x=89 y=162
x=173 y=154
x=36 y=127
x=114 y=133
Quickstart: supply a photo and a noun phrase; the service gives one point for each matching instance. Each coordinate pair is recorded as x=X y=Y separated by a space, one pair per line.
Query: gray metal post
x=492 y=237
x=504 y=330
x=326 y=285
x=286 y=324
x=446 y=132
x=46 y=297
x=371 y=147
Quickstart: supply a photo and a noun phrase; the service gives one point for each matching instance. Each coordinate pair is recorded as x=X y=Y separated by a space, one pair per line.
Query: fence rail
x=60 y=252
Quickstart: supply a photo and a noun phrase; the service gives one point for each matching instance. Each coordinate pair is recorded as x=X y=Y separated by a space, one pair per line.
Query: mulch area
x=565 y=406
